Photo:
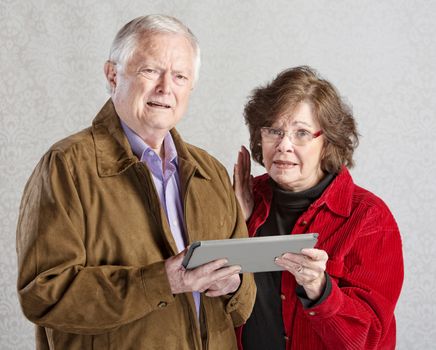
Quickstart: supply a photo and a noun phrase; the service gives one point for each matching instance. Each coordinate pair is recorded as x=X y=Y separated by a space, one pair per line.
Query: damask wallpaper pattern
x=380 y=54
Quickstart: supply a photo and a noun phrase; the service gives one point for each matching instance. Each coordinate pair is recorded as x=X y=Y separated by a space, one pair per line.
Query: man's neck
x=160 y=151
x=154 y=139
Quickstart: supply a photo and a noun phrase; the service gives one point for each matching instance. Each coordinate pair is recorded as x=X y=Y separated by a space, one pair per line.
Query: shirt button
x=282 y=296
x=162 y=304
x=312 y=313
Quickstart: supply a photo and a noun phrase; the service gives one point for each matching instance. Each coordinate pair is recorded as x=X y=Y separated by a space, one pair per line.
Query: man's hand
x=224 y=286
x=212 y=278
x=243 y=182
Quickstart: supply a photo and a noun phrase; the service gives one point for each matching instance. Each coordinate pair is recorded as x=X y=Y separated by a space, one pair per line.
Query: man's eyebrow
x=182 y=71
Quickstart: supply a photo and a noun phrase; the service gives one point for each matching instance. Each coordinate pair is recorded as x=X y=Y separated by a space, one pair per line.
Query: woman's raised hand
x=243 y=182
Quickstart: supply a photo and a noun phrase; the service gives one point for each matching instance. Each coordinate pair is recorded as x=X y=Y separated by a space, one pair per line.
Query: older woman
x=342 y=293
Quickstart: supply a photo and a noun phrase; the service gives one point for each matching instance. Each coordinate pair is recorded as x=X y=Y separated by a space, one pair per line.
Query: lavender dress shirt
x=167 y=185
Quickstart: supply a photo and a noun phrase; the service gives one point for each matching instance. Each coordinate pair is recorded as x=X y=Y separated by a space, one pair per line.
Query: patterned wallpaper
x=380 y=54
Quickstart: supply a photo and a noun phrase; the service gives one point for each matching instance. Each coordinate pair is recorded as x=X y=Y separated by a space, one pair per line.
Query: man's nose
x=164 y=84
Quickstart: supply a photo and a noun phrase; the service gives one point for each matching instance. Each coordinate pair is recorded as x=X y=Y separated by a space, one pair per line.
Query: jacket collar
x=185 y=157
x=113 y=152
x=337 y=196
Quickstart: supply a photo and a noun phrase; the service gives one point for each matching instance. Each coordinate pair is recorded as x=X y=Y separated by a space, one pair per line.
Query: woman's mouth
x=281 y=164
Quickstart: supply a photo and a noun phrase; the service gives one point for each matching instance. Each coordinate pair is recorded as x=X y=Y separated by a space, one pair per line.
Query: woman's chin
x=284 y=180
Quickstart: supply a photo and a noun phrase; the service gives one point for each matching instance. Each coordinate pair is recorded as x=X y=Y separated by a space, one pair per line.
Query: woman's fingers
x=245 y=155
x=311 y=261
x=242 y=182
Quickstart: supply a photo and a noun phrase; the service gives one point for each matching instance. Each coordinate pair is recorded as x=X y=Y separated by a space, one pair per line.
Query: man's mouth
x=156 y=104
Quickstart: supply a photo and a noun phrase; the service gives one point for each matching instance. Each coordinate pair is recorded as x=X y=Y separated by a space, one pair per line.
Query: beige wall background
x=380 y=54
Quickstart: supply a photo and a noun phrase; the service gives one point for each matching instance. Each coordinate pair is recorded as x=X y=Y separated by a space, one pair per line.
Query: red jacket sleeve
x=359 y=312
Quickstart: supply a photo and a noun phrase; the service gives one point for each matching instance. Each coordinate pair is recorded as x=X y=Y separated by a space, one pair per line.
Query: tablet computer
x=254 y=254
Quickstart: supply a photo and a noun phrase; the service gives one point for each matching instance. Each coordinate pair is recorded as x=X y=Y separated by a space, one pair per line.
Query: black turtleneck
x=264 y=329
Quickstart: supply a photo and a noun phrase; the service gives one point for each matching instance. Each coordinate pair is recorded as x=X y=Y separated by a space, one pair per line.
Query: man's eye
x=181 y=77
x=148 y=71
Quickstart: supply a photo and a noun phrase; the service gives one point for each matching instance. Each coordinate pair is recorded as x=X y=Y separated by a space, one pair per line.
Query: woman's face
x=295 y=168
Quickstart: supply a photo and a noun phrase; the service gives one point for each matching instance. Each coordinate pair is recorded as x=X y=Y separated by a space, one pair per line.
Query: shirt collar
x=114 y=154
x=139 y=147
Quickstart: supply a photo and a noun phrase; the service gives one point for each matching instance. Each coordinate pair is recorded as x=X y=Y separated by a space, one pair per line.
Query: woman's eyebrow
x=296 y=122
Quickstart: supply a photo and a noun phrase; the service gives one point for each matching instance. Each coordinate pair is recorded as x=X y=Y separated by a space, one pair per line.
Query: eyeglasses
x=298 y=137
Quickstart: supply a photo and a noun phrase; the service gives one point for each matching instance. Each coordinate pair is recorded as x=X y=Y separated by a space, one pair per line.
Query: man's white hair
x=127 y=37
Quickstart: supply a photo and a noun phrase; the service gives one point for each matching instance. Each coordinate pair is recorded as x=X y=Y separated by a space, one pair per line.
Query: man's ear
x=110 y=70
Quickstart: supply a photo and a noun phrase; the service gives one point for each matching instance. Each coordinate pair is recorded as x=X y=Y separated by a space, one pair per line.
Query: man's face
x=151 y=91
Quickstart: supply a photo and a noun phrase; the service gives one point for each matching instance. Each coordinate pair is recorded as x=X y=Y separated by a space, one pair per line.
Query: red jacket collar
x=337 y=197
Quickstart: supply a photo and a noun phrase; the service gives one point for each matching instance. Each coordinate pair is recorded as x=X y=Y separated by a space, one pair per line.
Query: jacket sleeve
x=56 y=287
x=241 y=303
x=359 y=311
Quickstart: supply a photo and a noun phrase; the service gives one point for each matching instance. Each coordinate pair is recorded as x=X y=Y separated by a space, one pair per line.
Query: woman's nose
x=285 y=144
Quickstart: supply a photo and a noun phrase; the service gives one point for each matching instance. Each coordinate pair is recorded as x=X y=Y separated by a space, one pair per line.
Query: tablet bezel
x=254 y=254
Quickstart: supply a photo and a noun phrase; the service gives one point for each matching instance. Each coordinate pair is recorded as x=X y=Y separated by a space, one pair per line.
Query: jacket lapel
x=112 y=148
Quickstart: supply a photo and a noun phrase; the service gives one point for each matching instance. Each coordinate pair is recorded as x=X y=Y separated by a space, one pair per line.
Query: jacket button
x=162 y=304
x=303 y=223
x=282 y=296
x=312 y=313
x=286 y=337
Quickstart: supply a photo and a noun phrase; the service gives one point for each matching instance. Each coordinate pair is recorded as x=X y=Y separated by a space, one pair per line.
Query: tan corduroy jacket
x=92 y=239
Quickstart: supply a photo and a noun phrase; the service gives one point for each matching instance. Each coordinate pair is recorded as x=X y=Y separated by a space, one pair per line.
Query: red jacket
x=361 y=237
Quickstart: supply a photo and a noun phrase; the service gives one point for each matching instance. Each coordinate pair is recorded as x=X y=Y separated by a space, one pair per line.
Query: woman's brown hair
x=280 y=97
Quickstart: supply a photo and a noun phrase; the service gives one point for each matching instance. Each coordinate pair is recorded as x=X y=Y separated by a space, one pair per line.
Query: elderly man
x=107 y=214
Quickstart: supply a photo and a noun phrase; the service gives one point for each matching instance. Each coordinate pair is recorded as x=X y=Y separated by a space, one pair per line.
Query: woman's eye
x=302 y=133
x=277 y=132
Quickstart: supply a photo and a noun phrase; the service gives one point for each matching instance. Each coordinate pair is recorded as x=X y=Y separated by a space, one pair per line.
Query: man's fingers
x=204 y=276
x=175 y=261
x=228 y=271
x=214 y=293
x=211 y=266
x=213 y=270
x=225 y=272
x=198 y=279
x=224 y=286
